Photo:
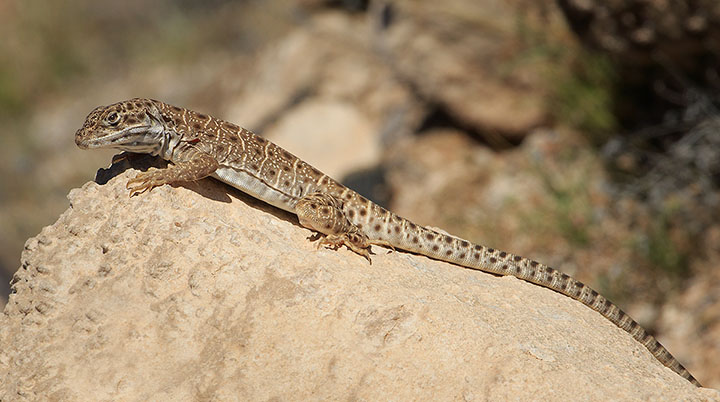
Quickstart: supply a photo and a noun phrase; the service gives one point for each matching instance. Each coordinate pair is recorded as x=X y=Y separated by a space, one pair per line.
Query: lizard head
x=134 y=125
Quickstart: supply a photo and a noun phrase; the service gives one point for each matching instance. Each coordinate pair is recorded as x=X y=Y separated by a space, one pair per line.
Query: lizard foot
x=145 y=181
x=347 y=239
x=324 y=213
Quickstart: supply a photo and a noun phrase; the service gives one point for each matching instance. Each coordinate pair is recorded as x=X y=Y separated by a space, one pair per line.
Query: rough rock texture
x=201 y=293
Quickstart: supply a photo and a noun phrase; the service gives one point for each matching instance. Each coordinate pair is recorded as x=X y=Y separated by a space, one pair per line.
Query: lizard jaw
x=136 y=138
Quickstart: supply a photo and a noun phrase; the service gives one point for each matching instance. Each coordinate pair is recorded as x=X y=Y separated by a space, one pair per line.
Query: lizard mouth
x=134 y=136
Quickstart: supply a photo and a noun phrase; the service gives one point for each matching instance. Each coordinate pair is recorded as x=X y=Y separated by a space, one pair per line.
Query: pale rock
x=324 y=84
x=326 y=133
x=469 y=58
x=199 y=292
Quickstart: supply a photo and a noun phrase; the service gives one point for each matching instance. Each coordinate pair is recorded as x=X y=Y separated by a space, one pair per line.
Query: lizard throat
x=169 y=141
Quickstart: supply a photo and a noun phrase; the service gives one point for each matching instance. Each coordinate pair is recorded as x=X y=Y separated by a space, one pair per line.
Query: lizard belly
x=255 y=187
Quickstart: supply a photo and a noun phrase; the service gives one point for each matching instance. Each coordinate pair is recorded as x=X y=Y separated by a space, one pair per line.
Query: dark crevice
x=371 y=183
x=386 y=16
x=292 y=101
x=4 y=285
x=353 y=6
x=439 y=118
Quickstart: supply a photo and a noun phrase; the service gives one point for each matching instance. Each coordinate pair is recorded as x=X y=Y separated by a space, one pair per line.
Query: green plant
x=583 y=94
x=661 y=250
x=570 y=208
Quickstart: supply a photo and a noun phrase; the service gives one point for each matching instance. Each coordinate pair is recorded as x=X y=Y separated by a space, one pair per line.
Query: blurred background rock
x=580 y=133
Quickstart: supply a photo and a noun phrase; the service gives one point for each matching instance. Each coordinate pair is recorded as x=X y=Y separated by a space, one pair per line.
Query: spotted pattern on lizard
x=198 y=145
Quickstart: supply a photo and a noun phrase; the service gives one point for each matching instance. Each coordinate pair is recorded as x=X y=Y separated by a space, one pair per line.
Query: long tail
x=422 y=240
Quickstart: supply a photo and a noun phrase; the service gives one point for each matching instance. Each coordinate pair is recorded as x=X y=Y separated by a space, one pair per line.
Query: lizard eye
x=113 y=118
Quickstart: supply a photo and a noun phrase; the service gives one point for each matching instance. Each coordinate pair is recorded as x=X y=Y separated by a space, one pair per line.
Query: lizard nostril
x=79 y=139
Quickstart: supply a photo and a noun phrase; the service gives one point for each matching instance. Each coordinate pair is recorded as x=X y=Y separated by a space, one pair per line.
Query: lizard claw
x=119 y=158
x=144 y=181
x=335 y=241
x=384 y=243
x=331 y=241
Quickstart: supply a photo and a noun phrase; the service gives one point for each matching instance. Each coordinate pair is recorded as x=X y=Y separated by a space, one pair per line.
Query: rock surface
x=467 y=57
x=198 y=292
x=322 y=92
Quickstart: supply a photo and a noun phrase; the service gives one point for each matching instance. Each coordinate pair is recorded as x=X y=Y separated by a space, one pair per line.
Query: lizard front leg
x=323 y=213
x=199 y=165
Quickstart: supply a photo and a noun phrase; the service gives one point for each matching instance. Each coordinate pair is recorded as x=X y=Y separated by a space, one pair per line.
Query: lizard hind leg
x=323 y=213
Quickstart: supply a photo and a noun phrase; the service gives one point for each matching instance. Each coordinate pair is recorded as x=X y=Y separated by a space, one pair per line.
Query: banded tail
x=422 y=240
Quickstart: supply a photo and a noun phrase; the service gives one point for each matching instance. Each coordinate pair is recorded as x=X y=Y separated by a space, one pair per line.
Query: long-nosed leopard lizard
x=199 y=145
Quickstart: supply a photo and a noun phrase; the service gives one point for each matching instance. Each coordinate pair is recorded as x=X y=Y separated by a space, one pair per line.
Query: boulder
x=199 y=292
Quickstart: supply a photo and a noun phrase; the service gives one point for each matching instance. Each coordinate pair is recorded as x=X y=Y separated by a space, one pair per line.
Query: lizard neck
x=168 y=145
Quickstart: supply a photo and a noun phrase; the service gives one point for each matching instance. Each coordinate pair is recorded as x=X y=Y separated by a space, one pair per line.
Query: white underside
x=255 y=187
